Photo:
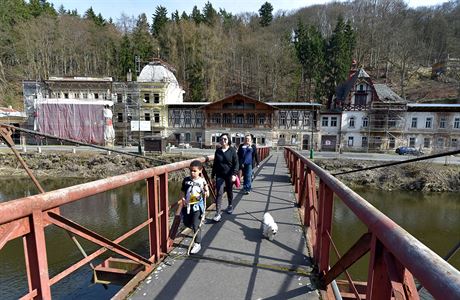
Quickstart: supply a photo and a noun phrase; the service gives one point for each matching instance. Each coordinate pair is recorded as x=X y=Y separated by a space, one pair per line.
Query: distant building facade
x=363 y=116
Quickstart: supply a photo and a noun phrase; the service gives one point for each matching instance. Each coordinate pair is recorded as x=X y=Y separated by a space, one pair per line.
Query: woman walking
x=224 y=169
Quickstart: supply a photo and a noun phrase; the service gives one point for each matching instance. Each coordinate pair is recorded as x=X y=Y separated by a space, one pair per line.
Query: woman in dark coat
x=224 y=169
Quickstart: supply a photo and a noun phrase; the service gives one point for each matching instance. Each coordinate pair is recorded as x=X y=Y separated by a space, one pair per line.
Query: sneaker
x=217 y=218
x=229 y=209
x=246 y=192
x=196 y=248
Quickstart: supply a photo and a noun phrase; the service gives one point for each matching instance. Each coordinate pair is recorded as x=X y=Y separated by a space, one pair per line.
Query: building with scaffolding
x=372 y=115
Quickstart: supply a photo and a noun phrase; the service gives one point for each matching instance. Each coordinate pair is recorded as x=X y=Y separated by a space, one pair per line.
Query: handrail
x=28 y=216
x=440 y=278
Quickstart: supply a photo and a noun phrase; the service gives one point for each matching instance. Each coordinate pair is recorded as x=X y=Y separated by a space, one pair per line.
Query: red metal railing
x=395 y=255
x=27 y=218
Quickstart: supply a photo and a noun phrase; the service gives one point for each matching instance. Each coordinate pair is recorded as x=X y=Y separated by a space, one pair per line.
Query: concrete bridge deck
x=235 y=261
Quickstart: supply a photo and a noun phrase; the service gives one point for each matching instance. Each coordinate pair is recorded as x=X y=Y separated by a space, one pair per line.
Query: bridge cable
x=33 y=132
x=400 y=162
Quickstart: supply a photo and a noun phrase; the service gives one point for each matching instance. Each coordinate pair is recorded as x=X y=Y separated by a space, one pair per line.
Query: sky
x=114 y=8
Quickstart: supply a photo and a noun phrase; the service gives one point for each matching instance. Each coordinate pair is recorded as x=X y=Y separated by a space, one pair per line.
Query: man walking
x=245 y=157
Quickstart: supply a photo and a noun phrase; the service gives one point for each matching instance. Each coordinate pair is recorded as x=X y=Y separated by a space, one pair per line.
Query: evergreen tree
x=195 y=78
x=339 y=52
x=265 y=13
x=209 y=14
x=196 y=15
x=184 y=16
x=90 y=15
x=126 y=57
x=309 y=47
x=39 y=7
x=175 y=16
x=160 y=18
x=142 y=40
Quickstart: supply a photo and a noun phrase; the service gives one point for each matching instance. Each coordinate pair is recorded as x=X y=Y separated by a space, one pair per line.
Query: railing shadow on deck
x=396 y=257
x=28 y=217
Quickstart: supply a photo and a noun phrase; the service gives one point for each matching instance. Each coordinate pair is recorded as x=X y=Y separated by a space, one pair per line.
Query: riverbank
x=421 y=176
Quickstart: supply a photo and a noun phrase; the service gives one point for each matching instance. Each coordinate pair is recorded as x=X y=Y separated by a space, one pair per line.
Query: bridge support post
x=35 y=256
x=324 y=242
x=164 y=205
x=153 y=209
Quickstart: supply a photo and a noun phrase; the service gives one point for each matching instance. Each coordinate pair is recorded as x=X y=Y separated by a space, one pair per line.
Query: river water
x=432 y=218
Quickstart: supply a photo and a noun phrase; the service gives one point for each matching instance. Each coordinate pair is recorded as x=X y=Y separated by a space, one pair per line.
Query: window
x=333 y=121
x=96 y=96
x=442 y=123
x=360 y=99
x=156 y=117
x=325 y=121
x=295 y=118
x=454 y=143
x=120 y=117
x=66 y=95
x=227 y=119
x=440 y=142
x=364 y=141
x=426 y=143
x=428 y=122
x=239 y=119
x=215 y=118
x=391 y=143
x=457 y=123
x=156 y=98
x=250 y=118
x=147 y=98
x=294 y=139
x=187 y=137
x=198 y=137
x=365 y=121
x=352 y=122
x=119 y=98
x=147 y=116
x=412 y=142
x=199 y=118
x=391 y=123
x=129 y=118
x=129 y=98
x=283 y=118
x=261 y=119
x=361 y=88
x=188 y=118
x=176 y=114
x=85 y=95
x=350 y=141
x=306 y=119
x=414 y=123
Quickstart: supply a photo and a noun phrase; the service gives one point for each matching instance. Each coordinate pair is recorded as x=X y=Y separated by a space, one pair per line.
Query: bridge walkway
x=235 y=261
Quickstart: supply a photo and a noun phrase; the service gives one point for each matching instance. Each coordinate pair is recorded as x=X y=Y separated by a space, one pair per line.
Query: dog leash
x=254 y=217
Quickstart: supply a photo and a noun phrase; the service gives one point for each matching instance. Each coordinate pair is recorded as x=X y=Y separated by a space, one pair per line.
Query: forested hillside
x=269 y=55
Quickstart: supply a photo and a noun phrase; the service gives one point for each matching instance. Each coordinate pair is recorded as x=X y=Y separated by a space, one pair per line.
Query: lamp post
x=139 y=148
x=311 y=136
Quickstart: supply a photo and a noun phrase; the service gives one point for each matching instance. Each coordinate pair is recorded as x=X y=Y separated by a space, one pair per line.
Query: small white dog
x=270 y=227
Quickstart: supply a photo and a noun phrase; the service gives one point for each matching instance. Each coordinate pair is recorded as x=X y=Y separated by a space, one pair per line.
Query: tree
x=142 y=40
x=209 y=14
x=309 y=48
x=196 y=15
x=339 y=51
x=265 y=13
x=160 y=18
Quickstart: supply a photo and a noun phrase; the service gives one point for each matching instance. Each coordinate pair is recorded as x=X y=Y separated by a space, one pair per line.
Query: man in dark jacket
x=246 y=157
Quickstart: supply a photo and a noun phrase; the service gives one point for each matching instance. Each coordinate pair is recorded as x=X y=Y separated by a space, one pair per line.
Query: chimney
x=129 y=76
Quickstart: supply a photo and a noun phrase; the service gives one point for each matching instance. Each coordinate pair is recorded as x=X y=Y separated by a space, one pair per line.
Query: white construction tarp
x=74 y=119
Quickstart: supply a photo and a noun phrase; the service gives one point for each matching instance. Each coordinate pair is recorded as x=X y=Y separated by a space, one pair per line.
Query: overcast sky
x=114 y=8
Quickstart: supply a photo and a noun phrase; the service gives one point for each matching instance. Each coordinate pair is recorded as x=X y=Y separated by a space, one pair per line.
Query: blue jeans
x=247 y=174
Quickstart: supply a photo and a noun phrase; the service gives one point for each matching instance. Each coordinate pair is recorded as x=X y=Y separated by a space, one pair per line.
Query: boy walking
x=194 y=192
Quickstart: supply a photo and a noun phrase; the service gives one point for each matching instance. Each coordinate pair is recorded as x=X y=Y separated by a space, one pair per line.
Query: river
x=432 y=218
